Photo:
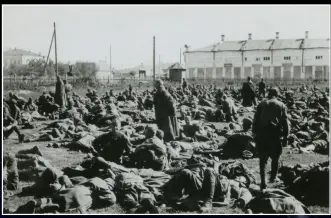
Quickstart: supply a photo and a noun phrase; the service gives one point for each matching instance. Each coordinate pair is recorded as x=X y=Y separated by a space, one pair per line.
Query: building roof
x=176 y=66
x=222 y=46
x=20 y=52
x=264 y=45
x=287 y=43
x=257 y=44
x=317 y=43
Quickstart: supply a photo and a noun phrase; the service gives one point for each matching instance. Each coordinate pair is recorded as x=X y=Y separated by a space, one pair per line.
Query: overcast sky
x=86 y=32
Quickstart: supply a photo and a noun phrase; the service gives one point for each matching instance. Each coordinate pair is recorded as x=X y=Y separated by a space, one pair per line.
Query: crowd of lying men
x=163 y=147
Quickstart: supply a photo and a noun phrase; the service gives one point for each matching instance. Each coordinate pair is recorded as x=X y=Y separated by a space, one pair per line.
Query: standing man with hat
x=165 y=112
x=271 y=128
x=248 y=93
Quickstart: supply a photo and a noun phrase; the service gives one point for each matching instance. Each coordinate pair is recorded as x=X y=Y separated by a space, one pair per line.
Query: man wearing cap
x=152 y=153
x=165 y=112
x=248 y=93
x=240 y=144
x=111 y=146
x=271 y=128
x=228 y=109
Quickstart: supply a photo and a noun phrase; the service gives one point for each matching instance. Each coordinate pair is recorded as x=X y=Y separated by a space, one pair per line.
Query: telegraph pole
x=180 y=55
x=110 y=60
x=56 y=68
x=49 y=51
x=154 y=58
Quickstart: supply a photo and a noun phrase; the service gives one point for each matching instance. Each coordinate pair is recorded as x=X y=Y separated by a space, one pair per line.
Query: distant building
x=270 y=58
x=104 y=71
x=19 y=57
x=176 y=72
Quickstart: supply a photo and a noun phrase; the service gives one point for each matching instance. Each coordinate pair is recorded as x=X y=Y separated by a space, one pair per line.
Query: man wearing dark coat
x=165 y=112
x=262 y=87
x=60 y=95
x=248 y=93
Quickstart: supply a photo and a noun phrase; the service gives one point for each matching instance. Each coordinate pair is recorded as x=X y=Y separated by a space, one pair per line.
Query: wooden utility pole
x=154 y=58
x=49 y=51
x=160 y=65
x=180 y=55
x=110 y=60
x=56 y=68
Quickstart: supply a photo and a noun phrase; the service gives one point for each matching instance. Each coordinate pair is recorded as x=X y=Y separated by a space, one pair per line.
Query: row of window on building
x=318 y=72
x=9 y=62
x=286 y=58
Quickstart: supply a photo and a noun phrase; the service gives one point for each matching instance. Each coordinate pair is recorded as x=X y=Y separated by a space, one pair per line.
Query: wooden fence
x=120 y=83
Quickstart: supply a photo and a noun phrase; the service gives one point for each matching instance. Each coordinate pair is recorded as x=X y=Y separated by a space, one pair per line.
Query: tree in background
x=37 y=67
x=85 y=69
x=133 y=73
x=18 y=70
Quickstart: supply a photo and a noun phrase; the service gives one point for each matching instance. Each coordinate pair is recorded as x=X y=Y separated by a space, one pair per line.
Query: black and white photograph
x=165 y=109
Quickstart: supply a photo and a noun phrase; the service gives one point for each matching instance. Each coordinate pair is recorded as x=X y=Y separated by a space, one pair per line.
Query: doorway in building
x=266 y=72
x=308 y=72
x=228 y=72
x=277 y=72
x=326 y=72
x=237 y=73
x=247 y=72
x=319 y=72
x=191 y=72
x=209 y=73
x=297 y=72
x=201 y=73
x=219 y=72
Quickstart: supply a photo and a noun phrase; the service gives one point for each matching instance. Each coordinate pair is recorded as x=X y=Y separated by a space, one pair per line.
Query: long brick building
x=276 y=58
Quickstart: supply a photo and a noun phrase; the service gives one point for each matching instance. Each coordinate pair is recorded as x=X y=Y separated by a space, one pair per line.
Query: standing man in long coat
x=60 y=94
x=271 y=129
x=248 y=93
x=165 y=112
x=262 y=87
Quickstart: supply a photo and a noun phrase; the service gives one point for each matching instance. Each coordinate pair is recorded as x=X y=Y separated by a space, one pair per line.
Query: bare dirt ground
x=60 y=158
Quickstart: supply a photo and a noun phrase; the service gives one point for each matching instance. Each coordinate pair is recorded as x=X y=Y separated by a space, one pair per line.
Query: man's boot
x=37 y=151
x=21 y=138
x=149 y=204
x=208 y=191
x=263 y=164
x=274 y=170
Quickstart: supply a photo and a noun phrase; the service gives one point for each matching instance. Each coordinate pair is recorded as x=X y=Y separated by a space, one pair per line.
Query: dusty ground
x=61 y=158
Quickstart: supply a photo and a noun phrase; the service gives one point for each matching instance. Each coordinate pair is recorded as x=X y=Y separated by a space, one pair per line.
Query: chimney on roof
x=249 y=36
x=222 y=37
x=277 y=35
x=306 y=34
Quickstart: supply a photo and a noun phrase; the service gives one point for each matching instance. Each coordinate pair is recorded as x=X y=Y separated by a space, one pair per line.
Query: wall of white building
x=233 y=57
x=11 y=59
x=18 y=59
x=286 y=63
